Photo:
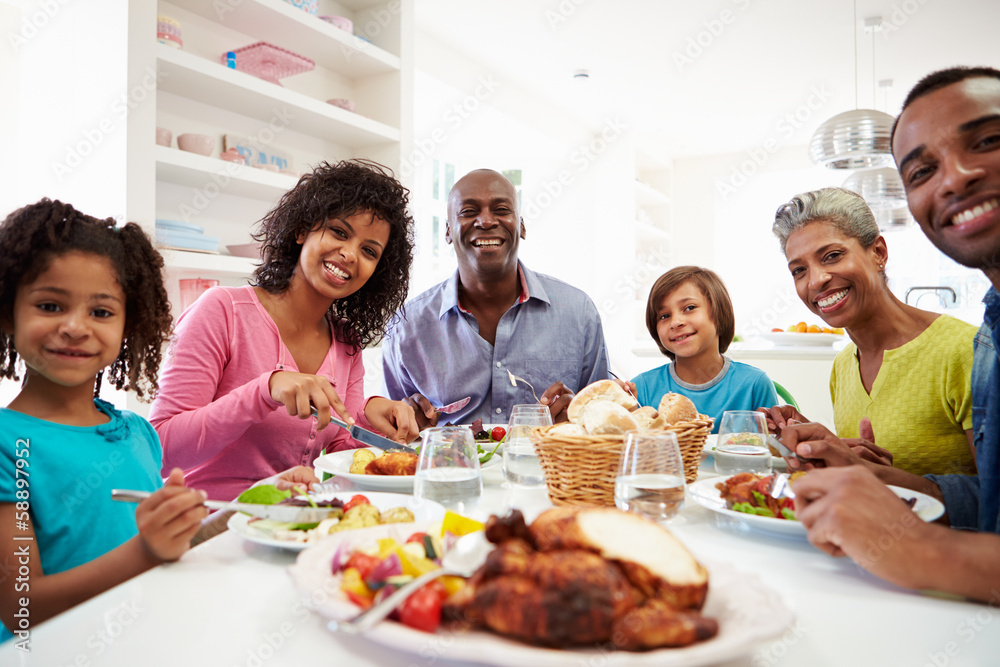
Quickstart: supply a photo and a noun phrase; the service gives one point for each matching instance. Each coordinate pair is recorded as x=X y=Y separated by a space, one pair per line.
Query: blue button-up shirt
x=974 y=501
x=552 y=334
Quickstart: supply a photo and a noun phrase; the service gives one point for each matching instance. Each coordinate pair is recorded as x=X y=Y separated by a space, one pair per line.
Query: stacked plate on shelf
x=184 y=236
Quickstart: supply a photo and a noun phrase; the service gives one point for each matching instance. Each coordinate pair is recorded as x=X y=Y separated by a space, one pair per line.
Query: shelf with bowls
x=329 y=46
x=192 y=170
x=212 y=83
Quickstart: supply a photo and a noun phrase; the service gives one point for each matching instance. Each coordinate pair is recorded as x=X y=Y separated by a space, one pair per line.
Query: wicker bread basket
x=581 y=470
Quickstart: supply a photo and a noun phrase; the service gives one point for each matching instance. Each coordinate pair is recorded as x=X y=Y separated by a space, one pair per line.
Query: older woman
x=907 y=370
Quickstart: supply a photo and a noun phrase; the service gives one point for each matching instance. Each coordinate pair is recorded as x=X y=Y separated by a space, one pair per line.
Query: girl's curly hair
x=33 y=236
x=336 y=191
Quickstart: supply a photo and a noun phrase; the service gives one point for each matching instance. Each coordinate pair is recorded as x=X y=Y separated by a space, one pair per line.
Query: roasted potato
x=398 y=515
x=361 y=458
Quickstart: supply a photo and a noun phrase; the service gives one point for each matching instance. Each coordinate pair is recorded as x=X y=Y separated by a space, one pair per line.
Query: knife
x=785 y=451
x=283 y=513
x=365 y=436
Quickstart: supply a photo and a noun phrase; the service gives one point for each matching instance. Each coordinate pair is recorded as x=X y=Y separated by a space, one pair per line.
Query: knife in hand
x=785 y=451
x=365 y=436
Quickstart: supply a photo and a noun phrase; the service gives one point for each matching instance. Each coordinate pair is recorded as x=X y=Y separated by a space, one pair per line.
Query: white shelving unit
x=195 y=92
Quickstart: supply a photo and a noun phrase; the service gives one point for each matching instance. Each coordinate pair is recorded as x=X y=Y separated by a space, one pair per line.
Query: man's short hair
x=940 y=79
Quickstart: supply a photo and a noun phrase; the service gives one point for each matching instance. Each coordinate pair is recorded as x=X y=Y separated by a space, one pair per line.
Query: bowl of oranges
x=804 y=334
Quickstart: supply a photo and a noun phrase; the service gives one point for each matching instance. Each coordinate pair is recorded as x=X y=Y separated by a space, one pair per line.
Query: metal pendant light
x=890 y=219
x=857 y=139
x=881 y=188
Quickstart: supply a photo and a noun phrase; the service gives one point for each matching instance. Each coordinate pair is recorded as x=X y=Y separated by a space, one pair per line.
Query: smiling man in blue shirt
x=493 y=316
x=947 y=146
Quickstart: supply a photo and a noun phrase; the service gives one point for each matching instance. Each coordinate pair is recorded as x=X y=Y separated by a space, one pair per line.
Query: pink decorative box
x=304 y=5
x=269 y=62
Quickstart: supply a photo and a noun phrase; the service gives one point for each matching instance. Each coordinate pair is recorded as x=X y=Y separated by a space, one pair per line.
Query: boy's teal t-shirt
x=71 y=471
x=738 y=386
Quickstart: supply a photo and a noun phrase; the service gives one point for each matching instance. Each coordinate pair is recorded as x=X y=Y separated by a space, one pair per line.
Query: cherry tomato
x=363 y=563
x=422 y=610
x=497 y=434
x=355 y=501
x=416 y=537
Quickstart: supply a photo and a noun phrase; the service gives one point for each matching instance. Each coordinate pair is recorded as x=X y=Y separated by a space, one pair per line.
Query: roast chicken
x=565 y=581
x=393 y=463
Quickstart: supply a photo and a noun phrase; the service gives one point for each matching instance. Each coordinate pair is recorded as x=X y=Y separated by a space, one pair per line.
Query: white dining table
x=230 y=602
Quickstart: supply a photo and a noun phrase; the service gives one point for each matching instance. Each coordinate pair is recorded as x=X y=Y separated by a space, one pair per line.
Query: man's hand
x=557 y=397
x=424 y=412
x=814 y=441
x=849 y=512
x=396 y=419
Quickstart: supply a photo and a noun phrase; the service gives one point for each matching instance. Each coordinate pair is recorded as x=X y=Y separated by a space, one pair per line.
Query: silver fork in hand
x=514 y=380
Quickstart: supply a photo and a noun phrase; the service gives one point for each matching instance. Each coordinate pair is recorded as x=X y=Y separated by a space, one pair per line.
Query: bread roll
x=567 y=429
x=602 y=390
x=607 y=418
x=676 y=408
x=645 y=416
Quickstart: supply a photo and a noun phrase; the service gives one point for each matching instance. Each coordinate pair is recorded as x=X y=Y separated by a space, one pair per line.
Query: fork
x=780 y=487
x=514 y=380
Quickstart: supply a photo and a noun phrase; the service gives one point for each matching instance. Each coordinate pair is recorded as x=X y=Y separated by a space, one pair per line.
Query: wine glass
x=650 y=479
x=448 y=468
x=521 y=464
x=742 y=443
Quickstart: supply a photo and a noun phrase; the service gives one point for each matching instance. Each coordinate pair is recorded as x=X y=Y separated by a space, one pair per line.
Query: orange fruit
x=812 y=328
x=801 y=327
x=778 y=330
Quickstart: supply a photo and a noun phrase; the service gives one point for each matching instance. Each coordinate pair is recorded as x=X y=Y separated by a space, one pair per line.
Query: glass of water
x=650 y=479
x=742 y=443
x=521 y=464
x=448 y=468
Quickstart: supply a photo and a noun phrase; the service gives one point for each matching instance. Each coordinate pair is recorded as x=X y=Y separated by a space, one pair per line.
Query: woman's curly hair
x=336 y=191
x=33 y=236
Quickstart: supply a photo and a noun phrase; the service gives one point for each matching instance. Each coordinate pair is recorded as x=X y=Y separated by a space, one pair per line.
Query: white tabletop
x=229 y=602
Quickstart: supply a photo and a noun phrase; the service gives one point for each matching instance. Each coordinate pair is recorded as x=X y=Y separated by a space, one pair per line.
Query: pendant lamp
x=882 y=188
x=857 y=139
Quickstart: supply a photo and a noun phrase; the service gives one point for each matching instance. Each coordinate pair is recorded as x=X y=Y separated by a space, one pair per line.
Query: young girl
x=690 y=316
x=78 y=296
x=247 y=362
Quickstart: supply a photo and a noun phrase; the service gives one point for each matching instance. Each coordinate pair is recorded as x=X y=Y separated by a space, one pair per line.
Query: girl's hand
x=169 y=518
x=395 y=419
x=781 y=416
x=300 y=392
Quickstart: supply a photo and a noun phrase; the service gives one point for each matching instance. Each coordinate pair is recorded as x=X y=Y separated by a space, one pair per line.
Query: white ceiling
x=760 y=61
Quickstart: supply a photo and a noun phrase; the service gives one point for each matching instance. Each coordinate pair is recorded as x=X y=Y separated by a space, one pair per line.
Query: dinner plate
x=790 y=339
x=705 y=494
x=748 y=613
x=424 y=512
x=339 y=464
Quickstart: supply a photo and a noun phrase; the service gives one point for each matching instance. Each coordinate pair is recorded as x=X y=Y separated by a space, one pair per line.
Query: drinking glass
x=448 y=468
x=521 y=464
x=742 y=443
x=650 y=479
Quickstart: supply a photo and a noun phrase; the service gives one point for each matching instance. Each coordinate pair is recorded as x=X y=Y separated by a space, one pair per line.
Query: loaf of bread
x=676 y=408
x=607 y=418
x=645 y=416
x=602 y=390
x=567 y=429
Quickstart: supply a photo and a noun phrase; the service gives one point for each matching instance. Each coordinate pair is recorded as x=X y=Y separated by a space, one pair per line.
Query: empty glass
x=448 y=468
x=742 y=443
x=521 y=464
x=650 y=479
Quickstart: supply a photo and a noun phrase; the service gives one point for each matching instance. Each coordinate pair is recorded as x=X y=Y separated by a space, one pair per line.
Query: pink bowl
x=164 y=136
x=341 y=22
x=196 y=143
x=342 y=102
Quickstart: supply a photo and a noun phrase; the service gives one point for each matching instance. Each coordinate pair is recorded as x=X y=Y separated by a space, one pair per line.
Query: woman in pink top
x=336 y=256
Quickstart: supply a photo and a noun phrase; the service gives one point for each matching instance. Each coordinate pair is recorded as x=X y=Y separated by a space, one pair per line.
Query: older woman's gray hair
x=845 y=210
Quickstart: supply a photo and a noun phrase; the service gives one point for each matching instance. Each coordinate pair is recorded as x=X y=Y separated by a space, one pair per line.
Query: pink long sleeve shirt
x=214 y=412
